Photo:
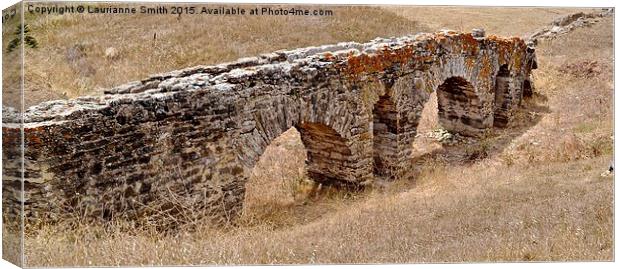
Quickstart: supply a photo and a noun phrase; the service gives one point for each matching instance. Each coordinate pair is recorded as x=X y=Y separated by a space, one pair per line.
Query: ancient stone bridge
x=198 y=132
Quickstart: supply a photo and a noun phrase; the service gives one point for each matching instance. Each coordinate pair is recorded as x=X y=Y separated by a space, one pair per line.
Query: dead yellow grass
x=560 y=212
x=534 y=197
x=503 y=21
x=574 y=113
x=150 y=44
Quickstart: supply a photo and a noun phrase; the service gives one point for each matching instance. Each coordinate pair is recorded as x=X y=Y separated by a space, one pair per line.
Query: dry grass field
x=530 y=192
x=141 y=45
x=502 y=21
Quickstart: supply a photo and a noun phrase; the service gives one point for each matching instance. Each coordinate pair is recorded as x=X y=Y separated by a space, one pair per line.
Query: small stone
x=111 y=53
x=478 y=32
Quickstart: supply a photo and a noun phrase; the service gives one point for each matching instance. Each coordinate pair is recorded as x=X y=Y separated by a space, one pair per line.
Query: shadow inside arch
x=527 y=115
x=293 y=181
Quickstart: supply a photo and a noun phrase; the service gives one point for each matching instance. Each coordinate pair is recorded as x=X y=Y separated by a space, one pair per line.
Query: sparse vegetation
x=533 y=192
x=29 y=40
x=151 y=44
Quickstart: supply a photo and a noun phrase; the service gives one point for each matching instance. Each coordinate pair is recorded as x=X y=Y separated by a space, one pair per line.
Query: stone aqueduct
x=199 y=132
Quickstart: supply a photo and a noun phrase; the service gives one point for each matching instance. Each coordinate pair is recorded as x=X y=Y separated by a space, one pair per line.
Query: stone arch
x=200 y=138
x=329 y=156
x=460 y=109
x=336 y=152
x=396 y=115
x=272 y=117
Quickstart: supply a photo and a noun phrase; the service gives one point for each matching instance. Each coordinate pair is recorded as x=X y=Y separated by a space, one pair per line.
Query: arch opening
x=385 y=131
x=294 y=166
x=528 y=90
x=329 y=156
x=459 y=107
x=274 y=182
x=427 y=127
x=502 y=98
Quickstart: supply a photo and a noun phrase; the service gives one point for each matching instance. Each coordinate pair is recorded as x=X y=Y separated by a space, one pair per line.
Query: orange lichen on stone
x=517 y=60
x=517 y=53
x=470 y=44
x=329 y=56
x=431 y=46
x=423 y=36
x=470 y=62
x=10 y=135
x=33 y=135
x=218 y=120
x=485 y=68
x=357 y=65
x=504 y=45
x=34 y=139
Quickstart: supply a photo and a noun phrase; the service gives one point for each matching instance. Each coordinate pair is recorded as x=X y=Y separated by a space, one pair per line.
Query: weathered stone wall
x=199 y=132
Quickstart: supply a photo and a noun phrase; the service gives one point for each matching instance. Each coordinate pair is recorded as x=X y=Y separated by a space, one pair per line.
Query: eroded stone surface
x=568 y=23
x=198 y=132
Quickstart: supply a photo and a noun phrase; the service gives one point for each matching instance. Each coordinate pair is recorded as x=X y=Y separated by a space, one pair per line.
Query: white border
x=549 y=3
